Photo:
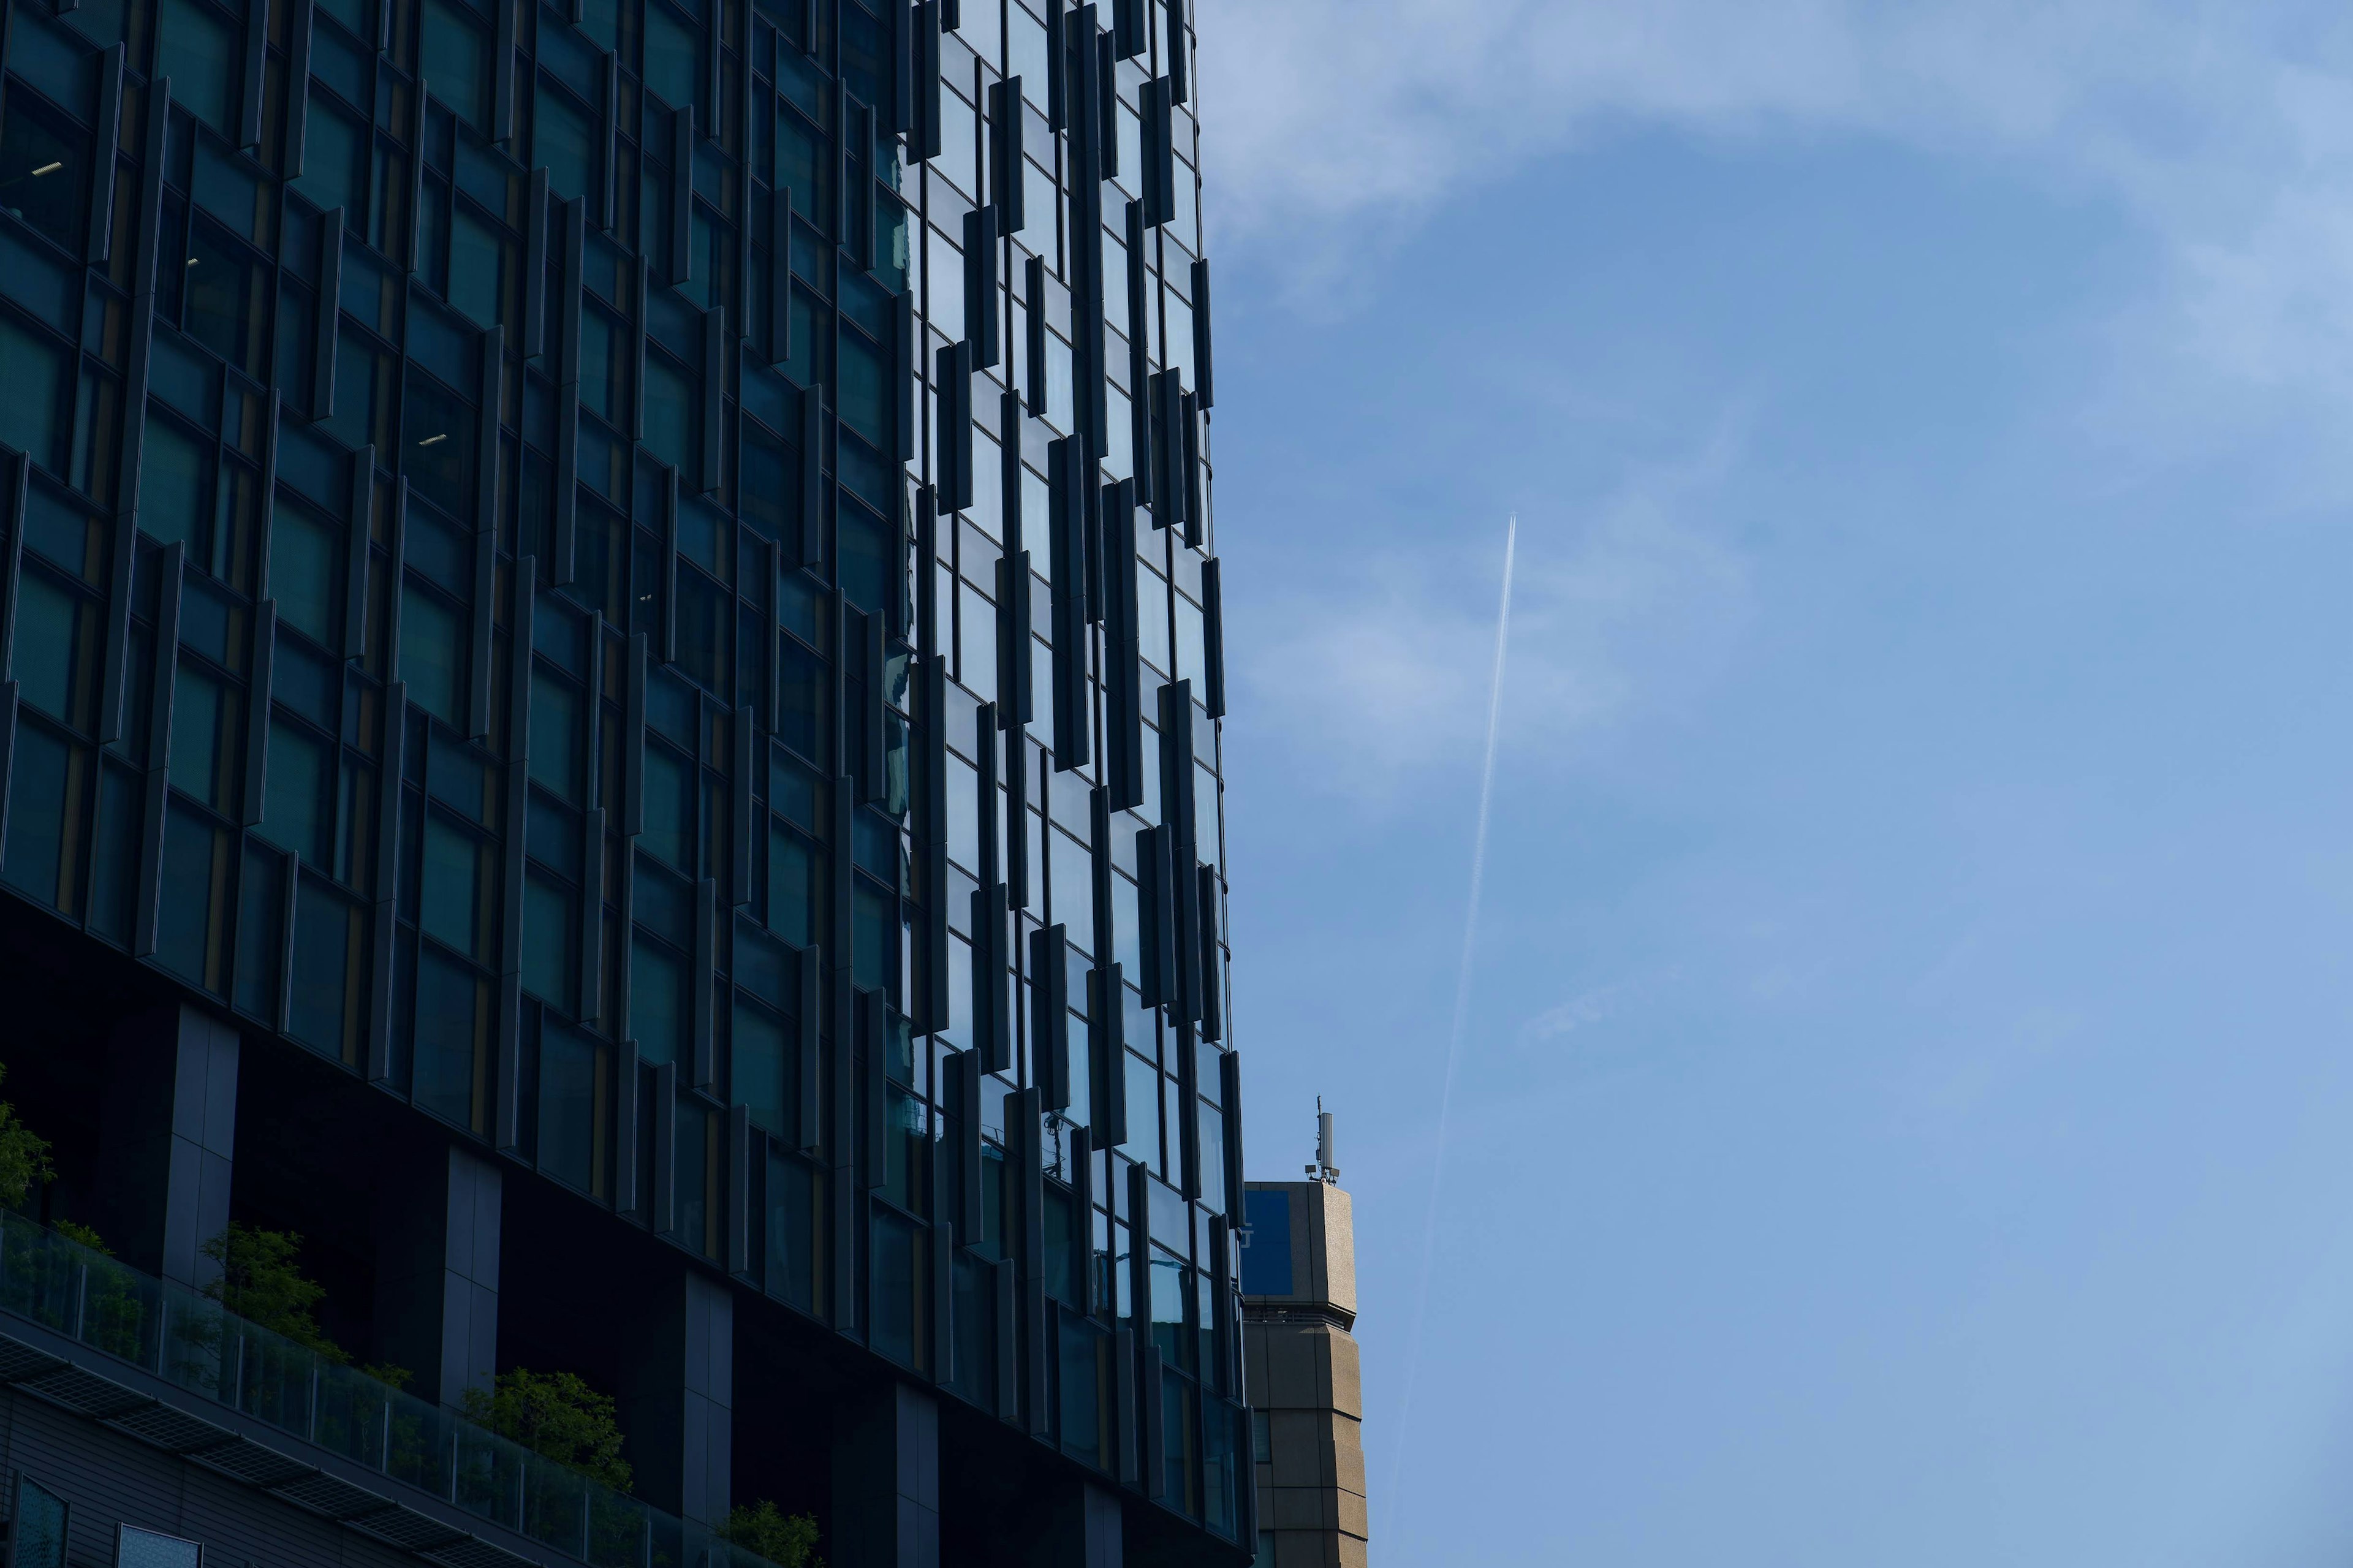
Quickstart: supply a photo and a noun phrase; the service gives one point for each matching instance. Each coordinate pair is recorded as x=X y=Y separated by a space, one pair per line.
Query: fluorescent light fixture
x=431 y=439
x=47 y=169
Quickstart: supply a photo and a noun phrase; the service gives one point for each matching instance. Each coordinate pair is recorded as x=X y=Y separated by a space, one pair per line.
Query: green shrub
x=260 y=1283
x=23 y=1157
x=557 y=1417
x=84 y=1234
x=789 y=1542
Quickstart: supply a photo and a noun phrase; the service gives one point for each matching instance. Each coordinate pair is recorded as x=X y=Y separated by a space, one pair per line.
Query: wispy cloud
x=1383 y=674
x=1593 y=1006
x=2225 y=129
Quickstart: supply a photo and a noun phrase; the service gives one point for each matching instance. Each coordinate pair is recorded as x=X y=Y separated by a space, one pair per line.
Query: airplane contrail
x=1461 y=1020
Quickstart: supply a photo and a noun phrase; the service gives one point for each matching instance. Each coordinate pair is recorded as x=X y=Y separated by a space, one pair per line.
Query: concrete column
x=1081 y=1528
x=170 y=1139
x=886 y=1479
x=437 y=1273
x=676 y=1399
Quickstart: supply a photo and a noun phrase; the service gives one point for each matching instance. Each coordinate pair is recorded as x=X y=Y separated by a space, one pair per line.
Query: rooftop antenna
x=1323 y=1170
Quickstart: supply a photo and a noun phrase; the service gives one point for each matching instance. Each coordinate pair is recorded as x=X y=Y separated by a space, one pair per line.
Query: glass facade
x=641 y=576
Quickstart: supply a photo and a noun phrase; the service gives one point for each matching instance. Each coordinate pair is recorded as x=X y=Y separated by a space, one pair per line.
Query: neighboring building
x=609 y=697
x=1299 y=1309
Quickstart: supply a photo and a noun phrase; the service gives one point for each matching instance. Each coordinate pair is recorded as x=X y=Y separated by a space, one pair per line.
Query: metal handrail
x=152 y=1324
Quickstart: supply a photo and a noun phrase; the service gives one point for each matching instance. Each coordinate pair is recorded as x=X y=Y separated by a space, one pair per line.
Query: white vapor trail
x=1454 y=1034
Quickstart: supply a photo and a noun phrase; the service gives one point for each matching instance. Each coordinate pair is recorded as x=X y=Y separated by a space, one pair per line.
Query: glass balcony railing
x=193 y=1343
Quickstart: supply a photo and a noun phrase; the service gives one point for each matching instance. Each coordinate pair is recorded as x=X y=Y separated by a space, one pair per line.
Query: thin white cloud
x=1588 y=1008
x=1383 y=674
x=2226 y=129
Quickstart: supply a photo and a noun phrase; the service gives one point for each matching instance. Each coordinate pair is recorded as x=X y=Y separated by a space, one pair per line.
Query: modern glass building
x=610 y=698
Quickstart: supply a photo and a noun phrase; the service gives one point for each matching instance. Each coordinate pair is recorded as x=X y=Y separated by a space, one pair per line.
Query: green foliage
x=84 y=1234
x=789 y=1542
x=556 y=1415
x=260 y=1283
x=23 y=1157
x=384 y=1371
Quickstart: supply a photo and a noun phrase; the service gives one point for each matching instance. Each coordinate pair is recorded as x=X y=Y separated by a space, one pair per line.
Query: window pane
x=257 y=933
x=564 y=144
x=704 y=620
x=555 y=737
x=671 y=401
x=656 y=1001
x=452 y=1016
x=39 y=1527
x=668 y=832
x=228 y=299
x=44 y=171
x=175 y=488
x=568 y=1086
x=802 y=686
x=334 y=165
x=328 y=945
x=432 y=654
x=860 y=386
x=692 y=1173
x=440 y=434
x=760 y=1075
x=297 y=811
x=44 y=784
x=195 y=875
x=549 y=937
x=203 y=737
x=32 y=419
x=454 y=889
x=792 y=885
x=873 y=950
x=55 y=647
x=306 y=573
x=1075 y=888
x=802 y=166
x=476 y=265
x=456 y=61
x=198 y=47
x=670 y=56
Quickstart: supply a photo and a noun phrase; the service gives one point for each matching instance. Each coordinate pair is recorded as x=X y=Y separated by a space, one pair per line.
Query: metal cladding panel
x=1050 y=1028
x=982 y=292
x=1213 y=637
x=1017 y=826
x=927 y=119
x=1109 y=1077
x=1006 y=187
x=1174 y=52
x=1033 y=272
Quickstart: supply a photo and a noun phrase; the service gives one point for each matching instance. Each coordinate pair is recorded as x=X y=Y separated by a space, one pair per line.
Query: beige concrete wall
x=1303 y=1372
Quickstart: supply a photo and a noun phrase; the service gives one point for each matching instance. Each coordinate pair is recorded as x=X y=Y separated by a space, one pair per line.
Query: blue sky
x=1906 y=1114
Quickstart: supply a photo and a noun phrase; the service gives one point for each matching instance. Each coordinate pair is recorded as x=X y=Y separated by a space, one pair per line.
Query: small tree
x=389 y=1373
x=74 y=1231
x=789 y=1542
x=557 y=1417
x=260 y=1283
x=23 y=1157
